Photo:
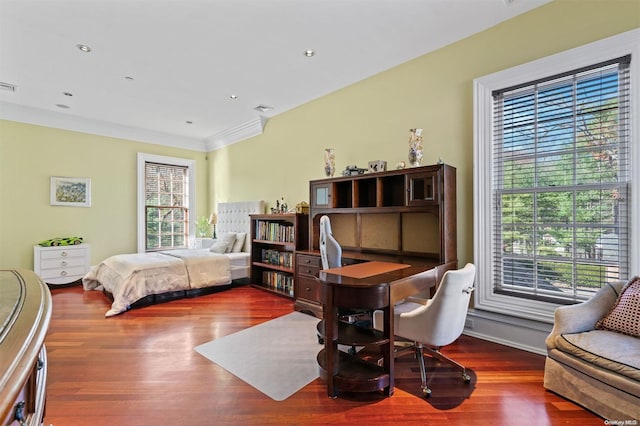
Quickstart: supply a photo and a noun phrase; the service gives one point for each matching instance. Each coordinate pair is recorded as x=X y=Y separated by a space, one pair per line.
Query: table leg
x=330 y=345
x=388 y=349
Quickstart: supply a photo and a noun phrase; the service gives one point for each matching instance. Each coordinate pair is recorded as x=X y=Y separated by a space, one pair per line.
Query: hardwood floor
x=140 y=368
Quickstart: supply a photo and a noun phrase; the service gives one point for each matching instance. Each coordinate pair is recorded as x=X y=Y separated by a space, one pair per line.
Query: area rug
x=277 y=357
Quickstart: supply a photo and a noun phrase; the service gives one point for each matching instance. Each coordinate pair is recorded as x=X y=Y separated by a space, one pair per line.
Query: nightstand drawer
x=62 y=262
x=61 y=253
x=70 y=272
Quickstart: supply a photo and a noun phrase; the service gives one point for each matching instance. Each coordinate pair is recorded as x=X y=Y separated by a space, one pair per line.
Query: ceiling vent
x=8 y=87
x=263 y=108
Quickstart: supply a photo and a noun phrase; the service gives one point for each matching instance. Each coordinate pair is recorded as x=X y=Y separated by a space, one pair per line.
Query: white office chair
x=435 y=322
x=330 y=250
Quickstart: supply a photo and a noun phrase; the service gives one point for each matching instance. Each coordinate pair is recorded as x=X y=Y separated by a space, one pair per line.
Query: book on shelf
x=278 y=281
x=275 y=231
x=276 y=257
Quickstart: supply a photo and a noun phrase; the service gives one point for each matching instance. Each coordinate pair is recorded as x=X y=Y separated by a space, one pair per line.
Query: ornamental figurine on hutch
x=329 y=162
x=415 y=147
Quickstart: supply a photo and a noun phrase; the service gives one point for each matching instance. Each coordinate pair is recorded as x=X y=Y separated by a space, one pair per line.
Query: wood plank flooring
x=140 y=368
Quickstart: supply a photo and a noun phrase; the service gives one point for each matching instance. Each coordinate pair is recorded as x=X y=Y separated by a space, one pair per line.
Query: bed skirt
x=154 y=299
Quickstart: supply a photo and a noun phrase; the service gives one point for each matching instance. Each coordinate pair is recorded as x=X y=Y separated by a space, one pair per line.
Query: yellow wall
x=29 y=155
x=363 y=122
x=370 y=120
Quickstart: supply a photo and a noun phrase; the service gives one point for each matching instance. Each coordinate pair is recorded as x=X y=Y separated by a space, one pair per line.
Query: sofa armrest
x=583 y=316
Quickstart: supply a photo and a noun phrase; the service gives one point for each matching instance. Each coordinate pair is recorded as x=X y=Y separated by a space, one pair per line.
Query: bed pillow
x=239 y=243
x=624 y=316
x=224 y=244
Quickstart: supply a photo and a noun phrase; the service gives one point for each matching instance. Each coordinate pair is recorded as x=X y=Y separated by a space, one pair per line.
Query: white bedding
x=130 y=277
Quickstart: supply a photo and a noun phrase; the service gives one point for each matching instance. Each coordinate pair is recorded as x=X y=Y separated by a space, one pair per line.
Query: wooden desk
x=371 y=285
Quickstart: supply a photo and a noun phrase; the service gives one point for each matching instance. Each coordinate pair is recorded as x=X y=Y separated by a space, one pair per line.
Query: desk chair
x=431 y=324
x=330 y=250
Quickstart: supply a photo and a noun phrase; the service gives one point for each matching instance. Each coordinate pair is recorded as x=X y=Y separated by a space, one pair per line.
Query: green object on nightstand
x=66 y=241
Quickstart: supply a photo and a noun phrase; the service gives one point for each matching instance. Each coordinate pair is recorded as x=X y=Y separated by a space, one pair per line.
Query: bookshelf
x=274 y=241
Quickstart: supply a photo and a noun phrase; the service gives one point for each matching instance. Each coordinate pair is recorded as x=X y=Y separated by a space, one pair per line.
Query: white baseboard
x=506 y=330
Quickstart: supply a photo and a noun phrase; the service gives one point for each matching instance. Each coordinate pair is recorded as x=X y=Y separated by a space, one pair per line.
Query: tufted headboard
x=234 y=217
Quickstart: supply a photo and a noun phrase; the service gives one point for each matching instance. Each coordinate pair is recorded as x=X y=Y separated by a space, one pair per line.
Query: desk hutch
x=406 y=216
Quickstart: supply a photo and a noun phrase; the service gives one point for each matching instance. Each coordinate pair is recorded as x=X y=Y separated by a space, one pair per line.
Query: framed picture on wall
x=68 y=191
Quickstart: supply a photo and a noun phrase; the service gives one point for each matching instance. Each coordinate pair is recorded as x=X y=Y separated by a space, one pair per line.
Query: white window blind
x=166 y=206
x=560 y=182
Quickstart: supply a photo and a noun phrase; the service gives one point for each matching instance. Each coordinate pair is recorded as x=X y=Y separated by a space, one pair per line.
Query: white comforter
x=130 y=277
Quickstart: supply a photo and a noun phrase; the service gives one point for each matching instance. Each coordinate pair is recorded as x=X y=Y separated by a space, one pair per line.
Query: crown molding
x=57 y=120
x=42 y=117
x=237 y=133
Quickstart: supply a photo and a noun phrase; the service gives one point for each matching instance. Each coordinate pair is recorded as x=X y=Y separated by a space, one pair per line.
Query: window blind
x=560 y=181
x=166 y=206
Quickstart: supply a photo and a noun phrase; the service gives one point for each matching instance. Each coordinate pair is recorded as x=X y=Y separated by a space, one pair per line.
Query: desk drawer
x=307 y=270
x=307 y=260
x=308 y=289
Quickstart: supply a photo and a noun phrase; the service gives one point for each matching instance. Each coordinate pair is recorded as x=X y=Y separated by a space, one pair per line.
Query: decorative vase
x=329 y=162
x=415 y=147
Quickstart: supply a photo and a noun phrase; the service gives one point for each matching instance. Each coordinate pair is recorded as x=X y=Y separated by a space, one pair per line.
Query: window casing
x=552 y=198
x=165 y=202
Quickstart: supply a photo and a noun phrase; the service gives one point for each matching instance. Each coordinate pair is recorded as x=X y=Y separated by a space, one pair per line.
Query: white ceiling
x=186 y=58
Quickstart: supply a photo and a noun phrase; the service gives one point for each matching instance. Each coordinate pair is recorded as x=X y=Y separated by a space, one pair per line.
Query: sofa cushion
x=624 y=316
x=607 y=349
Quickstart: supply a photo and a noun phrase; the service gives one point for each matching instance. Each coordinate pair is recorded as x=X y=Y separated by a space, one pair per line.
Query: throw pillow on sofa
x=624 y=316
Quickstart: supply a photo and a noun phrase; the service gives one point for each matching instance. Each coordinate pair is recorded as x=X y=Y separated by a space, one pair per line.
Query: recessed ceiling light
x=233 y=97
x=63 y=106
x=83 y=48
x=189 y=122
x=309 y=53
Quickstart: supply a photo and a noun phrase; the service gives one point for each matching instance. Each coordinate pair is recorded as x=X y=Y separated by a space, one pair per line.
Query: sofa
x=593 y=356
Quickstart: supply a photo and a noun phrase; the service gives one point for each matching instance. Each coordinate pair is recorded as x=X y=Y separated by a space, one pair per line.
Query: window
x=559 y=184
x=556 y=182
x=165 y=187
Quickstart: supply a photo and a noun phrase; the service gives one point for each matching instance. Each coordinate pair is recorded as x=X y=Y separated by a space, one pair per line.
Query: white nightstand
x=204 y=242
x=61 y=264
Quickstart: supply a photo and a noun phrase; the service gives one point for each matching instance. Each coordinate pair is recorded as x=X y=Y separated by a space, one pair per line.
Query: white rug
x=277 y=357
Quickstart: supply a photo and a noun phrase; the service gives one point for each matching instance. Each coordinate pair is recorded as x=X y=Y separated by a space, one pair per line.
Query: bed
x=139 y=279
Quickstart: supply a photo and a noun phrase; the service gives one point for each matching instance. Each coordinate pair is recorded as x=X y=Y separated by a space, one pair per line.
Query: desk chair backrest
x=330 y=250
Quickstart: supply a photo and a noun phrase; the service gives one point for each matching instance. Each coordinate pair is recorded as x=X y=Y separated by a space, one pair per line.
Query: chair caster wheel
x=466 y=378
x=320 y=340
x=426 y=393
